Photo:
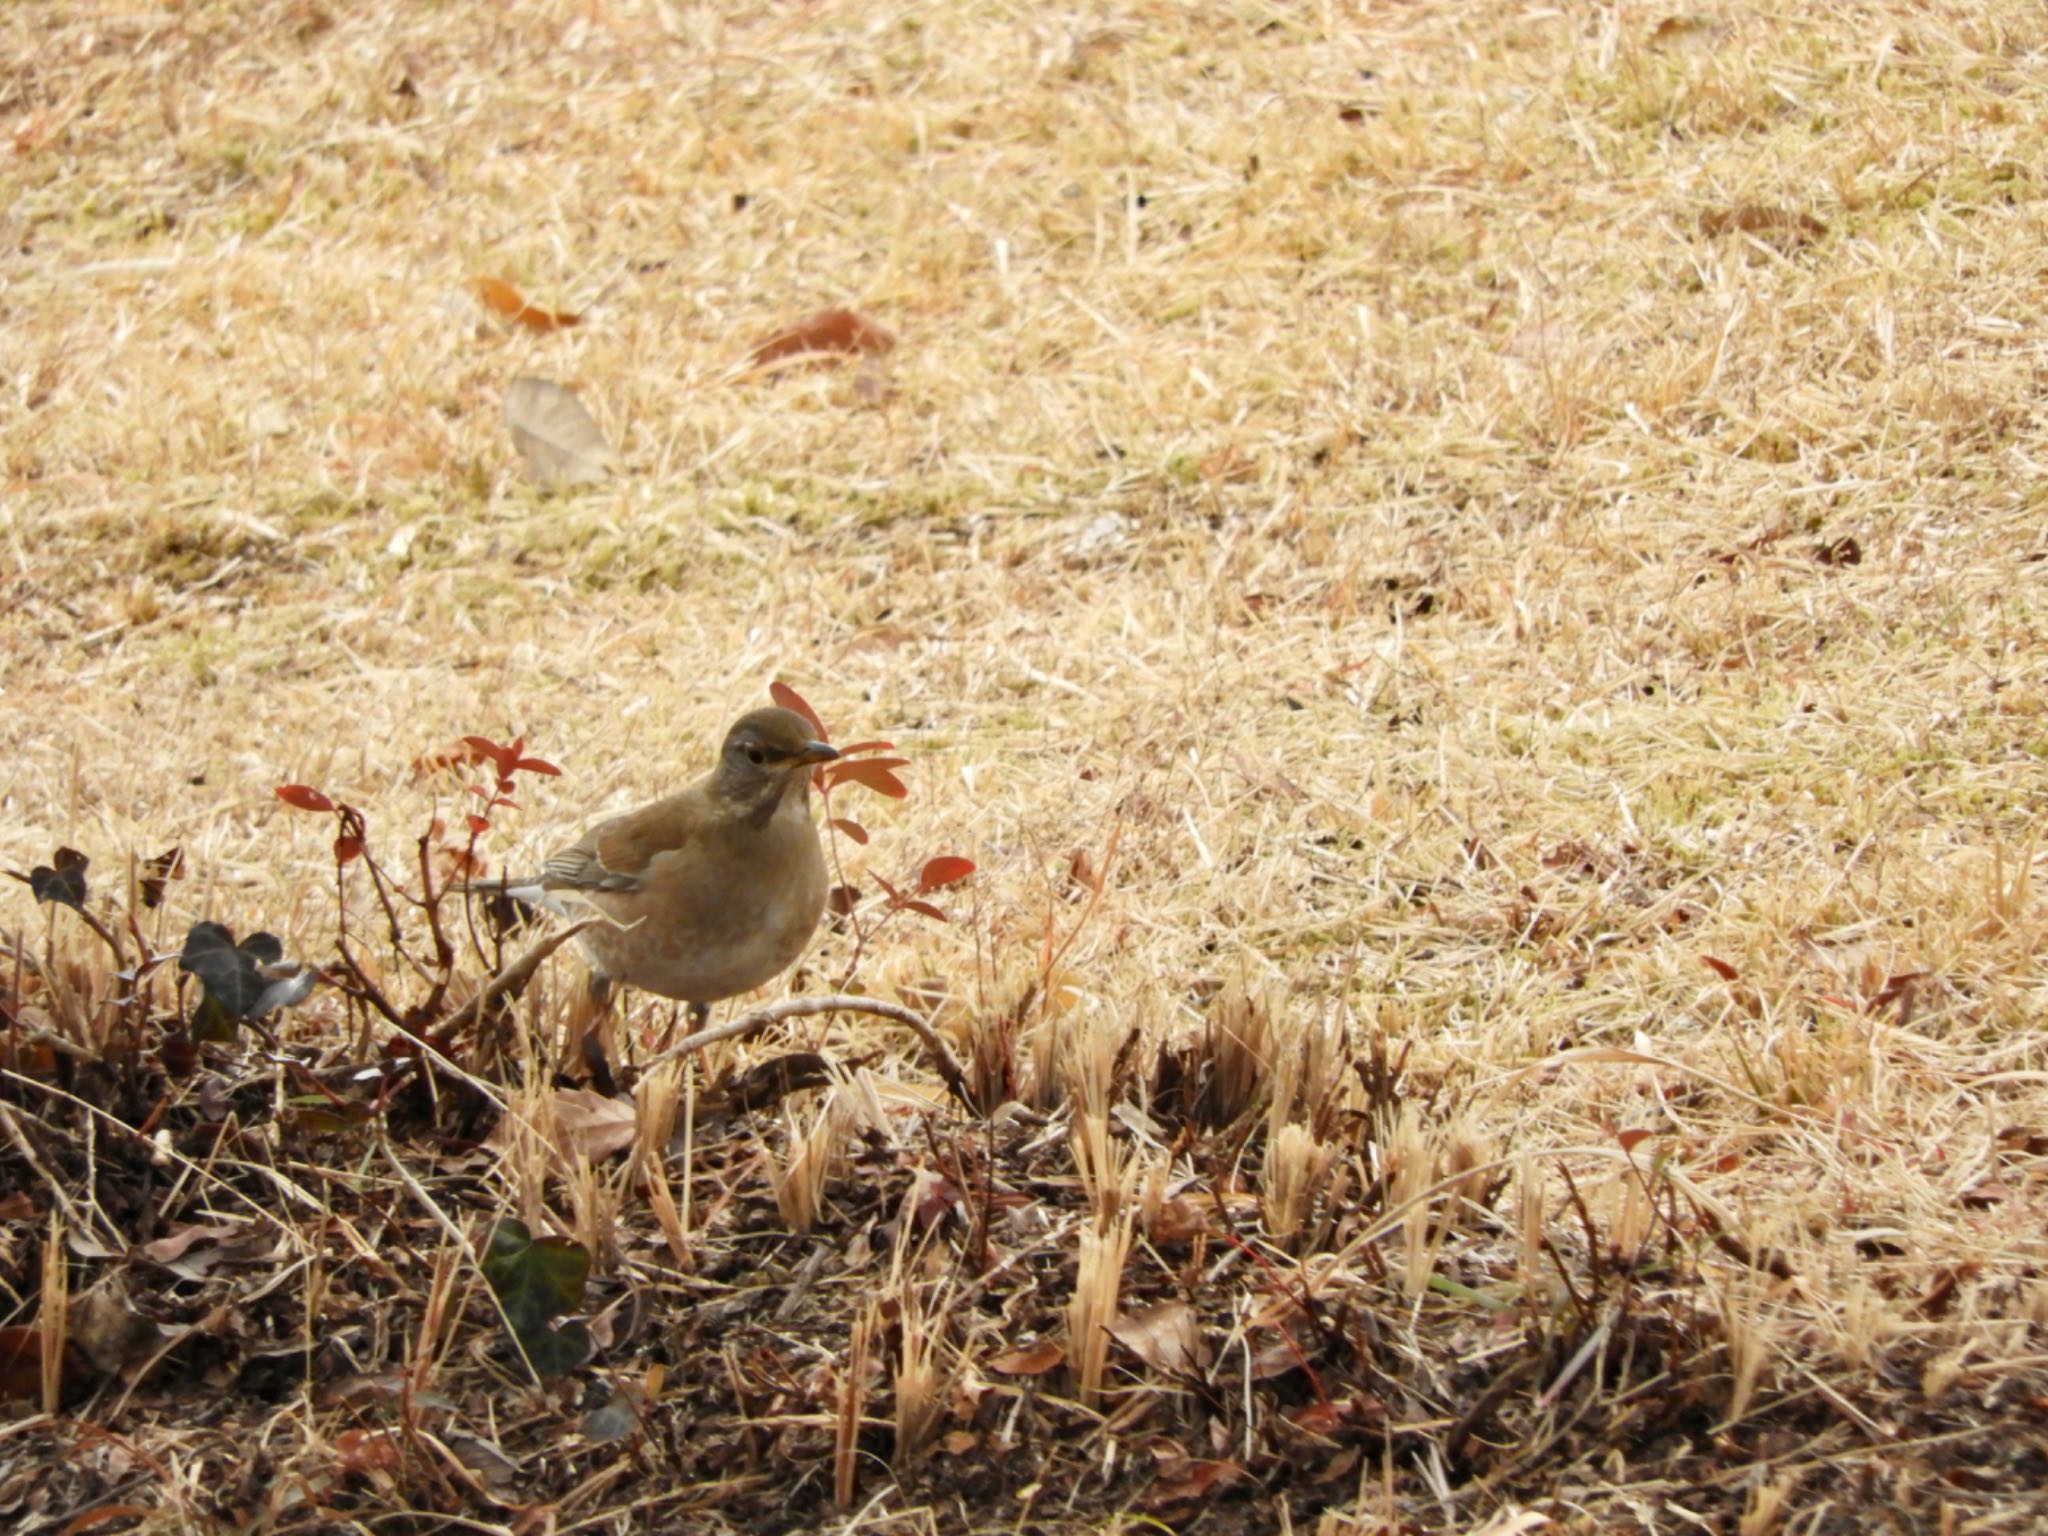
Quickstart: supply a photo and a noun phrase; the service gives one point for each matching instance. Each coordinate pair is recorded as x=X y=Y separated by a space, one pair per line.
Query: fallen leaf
x=595 y=1125
x=1185 y=1481
x=495 y=293
x=112 y=1335
x=1787 y=225
x=1035 y=1361
x=303 y=797
x=103 y=1514
x=166 y=1249
x=362 y=1451
x=829 y=330
x=1679 y=31
x=1843 y=551
x=21 y=1364
x=558 y=439
x=1179 y=1220
x=1166 y=1337
x=947 y=869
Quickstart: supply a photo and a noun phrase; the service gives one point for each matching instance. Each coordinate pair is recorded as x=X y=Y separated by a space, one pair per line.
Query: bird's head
x=766 y=755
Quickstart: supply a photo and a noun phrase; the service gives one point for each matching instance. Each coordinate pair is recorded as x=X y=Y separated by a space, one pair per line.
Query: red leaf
x=852 y=829
x=790 y=699
x=923 y=909
x=488 y=751
x=347 y=849
x=828 y=330
x=1630 y=1140
x=535 y=765
x=867 y=746
x=871 y=771
x=497 y=294
x=947 y=869
x=304 y=797
x=1720 y=968
x=893 y=894
x=477 y=825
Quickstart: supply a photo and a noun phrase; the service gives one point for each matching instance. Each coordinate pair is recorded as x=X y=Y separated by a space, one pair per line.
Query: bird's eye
x=756 y=756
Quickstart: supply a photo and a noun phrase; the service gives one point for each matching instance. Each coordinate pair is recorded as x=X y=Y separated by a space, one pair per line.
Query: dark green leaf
x=232 y=975
x=65 y=883
x=534 y=1281
x=557 y=1351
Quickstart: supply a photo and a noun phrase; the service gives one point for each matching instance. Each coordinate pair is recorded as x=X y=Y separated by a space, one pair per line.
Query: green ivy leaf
x=535 y=1281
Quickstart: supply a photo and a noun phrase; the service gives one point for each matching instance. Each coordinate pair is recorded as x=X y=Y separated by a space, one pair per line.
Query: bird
x=710 y=892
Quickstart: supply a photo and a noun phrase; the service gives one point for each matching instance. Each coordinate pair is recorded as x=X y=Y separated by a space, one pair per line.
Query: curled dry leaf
x=497 y=294
x=558 y=439
x=827 y=331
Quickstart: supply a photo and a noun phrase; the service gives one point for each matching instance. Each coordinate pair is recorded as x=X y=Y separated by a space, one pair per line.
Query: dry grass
x=1450 y=516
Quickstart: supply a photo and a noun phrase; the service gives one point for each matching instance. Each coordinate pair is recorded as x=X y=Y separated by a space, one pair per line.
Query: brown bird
x=714 y=890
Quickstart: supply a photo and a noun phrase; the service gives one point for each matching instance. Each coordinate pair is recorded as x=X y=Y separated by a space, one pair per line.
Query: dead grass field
x=1510 y=537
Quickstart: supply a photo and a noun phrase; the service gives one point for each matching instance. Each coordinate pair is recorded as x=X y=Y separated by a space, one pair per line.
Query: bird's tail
x=528 y=892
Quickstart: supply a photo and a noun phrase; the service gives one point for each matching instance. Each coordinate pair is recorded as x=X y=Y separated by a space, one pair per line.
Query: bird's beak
x=815 y=752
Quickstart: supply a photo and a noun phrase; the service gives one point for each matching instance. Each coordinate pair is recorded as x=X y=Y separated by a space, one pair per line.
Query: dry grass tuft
x=1469 y=576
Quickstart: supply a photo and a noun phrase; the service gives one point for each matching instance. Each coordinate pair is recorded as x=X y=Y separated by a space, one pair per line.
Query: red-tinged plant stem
x=444 y=952
x=365 y=990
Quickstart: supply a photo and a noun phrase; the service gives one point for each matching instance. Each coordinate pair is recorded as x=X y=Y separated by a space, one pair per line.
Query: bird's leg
x=593 y=1010
x=699 y=1012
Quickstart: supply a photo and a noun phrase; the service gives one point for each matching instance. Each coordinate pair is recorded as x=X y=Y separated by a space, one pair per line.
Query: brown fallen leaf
x=1681 y=31
x=1785 y=225
x=829 y=330
x=558 y=440
x=593 y=1124
x=1035 y=1361
x=497 y=294
x=169 y=1249
x=1183 y=1482
x=1166 y=1337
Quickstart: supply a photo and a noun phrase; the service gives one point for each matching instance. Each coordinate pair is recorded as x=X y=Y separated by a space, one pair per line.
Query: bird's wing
x=615 y=855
